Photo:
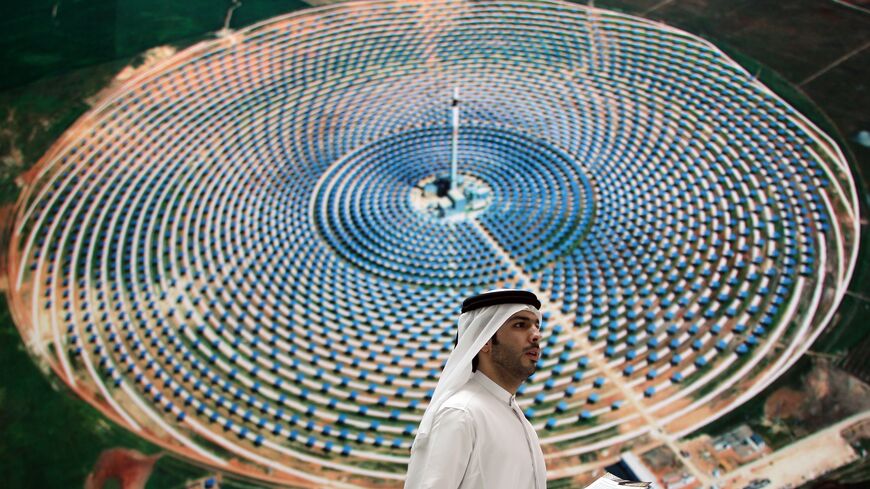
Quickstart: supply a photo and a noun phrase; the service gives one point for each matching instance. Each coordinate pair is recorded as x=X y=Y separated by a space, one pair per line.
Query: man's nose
x=536 y=335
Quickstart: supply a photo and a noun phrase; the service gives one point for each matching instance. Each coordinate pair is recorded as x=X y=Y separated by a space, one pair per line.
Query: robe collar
x=496 y=390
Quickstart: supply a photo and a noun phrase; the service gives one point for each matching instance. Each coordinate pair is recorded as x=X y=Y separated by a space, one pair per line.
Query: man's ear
x=486 y=346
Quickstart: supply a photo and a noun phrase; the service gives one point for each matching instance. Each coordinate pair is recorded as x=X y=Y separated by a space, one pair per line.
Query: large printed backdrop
x=223 y=256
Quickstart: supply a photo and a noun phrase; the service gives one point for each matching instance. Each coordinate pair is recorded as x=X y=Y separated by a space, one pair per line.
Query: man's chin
x=531 y=370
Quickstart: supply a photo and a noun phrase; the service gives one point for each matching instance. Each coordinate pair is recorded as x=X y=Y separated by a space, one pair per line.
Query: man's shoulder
x=469 y=398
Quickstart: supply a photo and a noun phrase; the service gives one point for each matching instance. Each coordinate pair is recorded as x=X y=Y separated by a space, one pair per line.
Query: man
x=473 y=434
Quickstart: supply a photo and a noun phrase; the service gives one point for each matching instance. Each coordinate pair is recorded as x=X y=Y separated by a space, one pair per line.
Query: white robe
x=479 y=440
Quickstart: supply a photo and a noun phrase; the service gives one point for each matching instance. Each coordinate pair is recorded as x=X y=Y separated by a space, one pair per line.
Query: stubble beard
x=511 y=363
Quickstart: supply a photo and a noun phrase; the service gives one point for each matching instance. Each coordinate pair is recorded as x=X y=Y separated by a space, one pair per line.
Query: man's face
x=515 y=348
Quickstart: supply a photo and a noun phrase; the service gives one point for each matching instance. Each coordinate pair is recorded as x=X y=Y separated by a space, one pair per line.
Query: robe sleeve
x=442 y=462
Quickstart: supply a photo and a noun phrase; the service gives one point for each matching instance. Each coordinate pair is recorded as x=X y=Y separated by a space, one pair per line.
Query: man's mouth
x=534 y=353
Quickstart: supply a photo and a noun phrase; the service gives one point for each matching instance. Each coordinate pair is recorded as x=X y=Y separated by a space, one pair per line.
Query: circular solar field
x=225 y=255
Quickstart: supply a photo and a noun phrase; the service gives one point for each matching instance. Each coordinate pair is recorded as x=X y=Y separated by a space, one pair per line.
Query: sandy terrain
x=783 y=404
x=780 y=466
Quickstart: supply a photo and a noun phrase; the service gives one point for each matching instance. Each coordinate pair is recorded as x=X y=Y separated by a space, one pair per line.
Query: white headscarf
x=475 y=329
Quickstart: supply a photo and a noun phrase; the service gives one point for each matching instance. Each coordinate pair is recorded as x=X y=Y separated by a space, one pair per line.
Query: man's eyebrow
x=523 y=318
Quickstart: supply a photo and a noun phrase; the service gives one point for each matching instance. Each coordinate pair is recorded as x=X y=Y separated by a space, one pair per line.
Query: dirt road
x=799 y=462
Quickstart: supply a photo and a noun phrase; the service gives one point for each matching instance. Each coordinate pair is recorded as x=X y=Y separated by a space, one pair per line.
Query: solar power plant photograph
x=434 y=244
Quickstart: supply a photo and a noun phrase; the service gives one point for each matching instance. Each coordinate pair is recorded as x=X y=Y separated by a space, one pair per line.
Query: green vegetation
x=42 y=38
x=35 y=116
x=851 y=327
x=56 y=436
x=854 y=312
x=566 y=483
x=588 y=439
x=254 y=11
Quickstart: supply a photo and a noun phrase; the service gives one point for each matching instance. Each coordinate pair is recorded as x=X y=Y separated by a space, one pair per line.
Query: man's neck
x=509 y=384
